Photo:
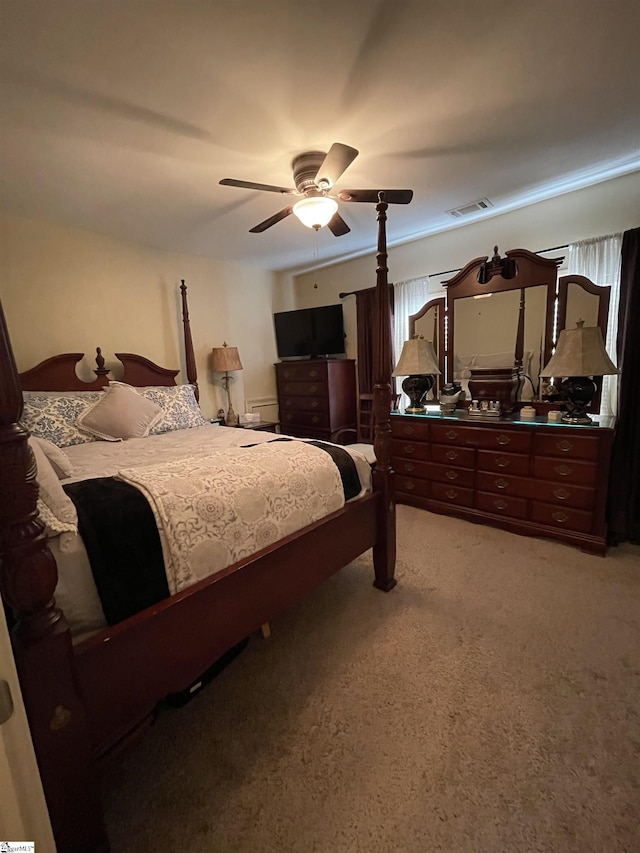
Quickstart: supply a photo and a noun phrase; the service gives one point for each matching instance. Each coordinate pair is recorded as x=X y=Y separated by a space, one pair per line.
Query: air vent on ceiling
x=467 y=209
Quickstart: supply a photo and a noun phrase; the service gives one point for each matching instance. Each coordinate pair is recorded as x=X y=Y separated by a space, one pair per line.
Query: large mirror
x=506 y=313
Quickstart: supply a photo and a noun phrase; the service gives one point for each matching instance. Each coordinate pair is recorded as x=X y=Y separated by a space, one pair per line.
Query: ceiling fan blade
x=337 y=161
x=281 y=214
x=371 y=196
x=250 y=185
x=338 y=226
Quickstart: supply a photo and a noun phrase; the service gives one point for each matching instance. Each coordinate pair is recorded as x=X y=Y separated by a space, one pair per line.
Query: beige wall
x=605 y=208
x=64 y=289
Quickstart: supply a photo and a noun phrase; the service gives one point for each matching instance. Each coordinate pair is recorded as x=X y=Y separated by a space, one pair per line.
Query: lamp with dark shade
x=579 y=355
x=226 y=359
x=419 y=364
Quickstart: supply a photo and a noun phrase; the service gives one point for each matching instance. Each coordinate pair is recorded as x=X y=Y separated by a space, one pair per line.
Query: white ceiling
x=121 y=116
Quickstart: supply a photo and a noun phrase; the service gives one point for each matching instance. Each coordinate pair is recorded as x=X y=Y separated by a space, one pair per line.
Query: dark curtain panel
x=365 y=312
x=624 y=483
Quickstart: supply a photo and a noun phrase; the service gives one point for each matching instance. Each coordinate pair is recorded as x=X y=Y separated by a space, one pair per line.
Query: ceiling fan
x=314 y=175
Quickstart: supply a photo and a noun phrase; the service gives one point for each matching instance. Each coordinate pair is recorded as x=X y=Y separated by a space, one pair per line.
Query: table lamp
x=226 y=359
x=579 y=355
x=419 y=364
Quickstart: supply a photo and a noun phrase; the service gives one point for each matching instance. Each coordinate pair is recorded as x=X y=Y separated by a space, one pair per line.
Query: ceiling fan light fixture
x=315 y=211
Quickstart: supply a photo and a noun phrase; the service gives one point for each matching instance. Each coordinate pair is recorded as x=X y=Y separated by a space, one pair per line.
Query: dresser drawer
x=502 y=504
x=312 y=419
x=410 y=486
x=308 y=432
x=571 y=446
x=564 y=470
x=414 y=429
x=463 y=457
x=508 y=463
x=452 y=494
x=452 y=433
x=302 y=371
x=505 y=484
x=402 y=449
x=305 y=404
x=513 y=441
x=303 y=389
x=415 y=468
x=562 y=517
x=564 y=494
x=463 y=477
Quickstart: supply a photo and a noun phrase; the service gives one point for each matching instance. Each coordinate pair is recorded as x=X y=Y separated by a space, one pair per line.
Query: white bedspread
x=214 y=510
x=76 y=593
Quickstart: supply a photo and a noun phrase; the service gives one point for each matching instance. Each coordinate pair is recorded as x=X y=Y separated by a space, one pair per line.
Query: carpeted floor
x=489 y=703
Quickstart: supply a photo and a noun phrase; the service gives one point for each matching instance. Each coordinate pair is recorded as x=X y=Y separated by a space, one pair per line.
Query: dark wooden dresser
x=316 y=398
x=535 y=478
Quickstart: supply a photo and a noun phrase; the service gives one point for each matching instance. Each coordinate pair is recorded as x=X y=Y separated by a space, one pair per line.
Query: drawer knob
x=313 y=389
x=561 y=494
x=408 y=430
x=500 y=504
x=451 y=475
x=409 y=448
x=288 y=402
x=502 y=462
x=564 y=445
x=452 y=435
x=501 y=483
x=314 y=419
x=560 y=517
x=409 y=486
x=562 y=470
x=314 y=404
x=451 y=494
x=409 y=466
x=503 y=439
x=452 y=454
x=313 y=373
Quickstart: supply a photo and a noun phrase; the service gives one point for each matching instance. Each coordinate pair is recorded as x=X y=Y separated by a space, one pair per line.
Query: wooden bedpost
x=384 y=551
x=190 y=359
x=40 y=637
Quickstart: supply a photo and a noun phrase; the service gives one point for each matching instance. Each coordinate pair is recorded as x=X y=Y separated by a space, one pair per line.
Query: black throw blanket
x=120 y=534
x=119 y=531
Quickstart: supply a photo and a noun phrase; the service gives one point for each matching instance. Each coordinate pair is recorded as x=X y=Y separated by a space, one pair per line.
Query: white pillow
x=56 y=508
x=59 y=460
x=179 y=406
x=121 y=413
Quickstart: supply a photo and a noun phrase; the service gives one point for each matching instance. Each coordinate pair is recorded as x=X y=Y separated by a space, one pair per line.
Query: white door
x=23 y=811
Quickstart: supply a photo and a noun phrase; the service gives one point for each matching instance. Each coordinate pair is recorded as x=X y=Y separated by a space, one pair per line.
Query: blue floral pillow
x=52 y=415
x=179 y=406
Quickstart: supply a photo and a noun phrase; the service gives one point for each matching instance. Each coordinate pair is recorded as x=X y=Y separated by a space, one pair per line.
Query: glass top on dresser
x=461 y=415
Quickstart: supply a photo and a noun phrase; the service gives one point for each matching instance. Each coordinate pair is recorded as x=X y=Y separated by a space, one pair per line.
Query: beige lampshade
x=580 y=352
x=418 y=358
x=224 y=359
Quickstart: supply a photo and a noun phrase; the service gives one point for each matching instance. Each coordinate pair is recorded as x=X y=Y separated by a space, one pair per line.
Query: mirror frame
x=518 y=270
x=603 y=291
x=440 y=304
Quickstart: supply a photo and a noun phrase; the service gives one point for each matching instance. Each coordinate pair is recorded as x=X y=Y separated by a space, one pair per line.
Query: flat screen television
x=310 y=332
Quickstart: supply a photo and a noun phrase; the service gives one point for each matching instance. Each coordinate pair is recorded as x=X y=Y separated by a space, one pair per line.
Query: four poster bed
x=86 y=697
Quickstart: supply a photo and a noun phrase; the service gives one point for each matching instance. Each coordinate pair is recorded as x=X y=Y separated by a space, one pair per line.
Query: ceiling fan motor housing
x=305 y=168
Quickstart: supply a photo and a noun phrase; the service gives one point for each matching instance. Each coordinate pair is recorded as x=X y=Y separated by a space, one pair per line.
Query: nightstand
x=264 y=426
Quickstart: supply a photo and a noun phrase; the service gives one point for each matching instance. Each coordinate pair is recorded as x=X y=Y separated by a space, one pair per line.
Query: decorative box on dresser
x=316 y=398
x=529 y=477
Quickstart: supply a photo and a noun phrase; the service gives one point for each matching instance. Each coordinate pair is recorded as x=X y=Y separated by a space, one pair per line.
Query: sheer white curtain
x=408 y=297
x=599 y=260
